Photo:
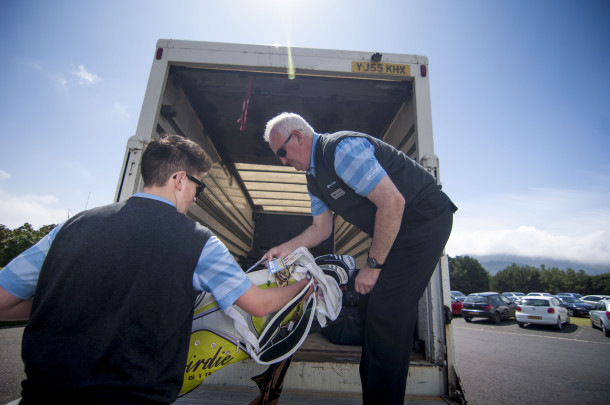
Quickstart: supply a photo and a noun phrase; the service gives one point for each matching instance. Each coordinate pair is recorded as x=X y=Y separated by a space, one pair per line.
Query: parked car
x=458 y=295
x=490 y=305
x=593 y=299
x=600 y=316
x=575 y=306
x=539 y=294
x=456 y=306
x=542 y=310
x=513 y=296
x=573 y=295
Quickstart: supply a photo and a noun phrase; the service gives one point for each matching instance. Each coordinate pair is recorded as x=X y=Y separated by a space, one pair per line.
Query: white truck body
x=200 y=90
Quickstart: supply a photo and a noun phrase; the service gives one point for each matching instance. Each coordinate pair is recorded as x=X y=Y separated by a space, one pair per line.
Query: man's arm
x=260 y=302
x=390 y=207
x=316 y=233
x=13 y=308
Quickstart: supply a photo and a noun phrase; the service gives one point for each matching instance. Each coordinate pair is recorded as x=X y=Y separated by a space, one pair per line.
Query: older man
x=392 y=198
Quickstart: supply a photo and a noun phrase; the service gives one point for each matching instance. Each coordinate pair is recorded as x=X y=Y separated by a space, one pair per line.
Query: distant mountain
x=496 y=263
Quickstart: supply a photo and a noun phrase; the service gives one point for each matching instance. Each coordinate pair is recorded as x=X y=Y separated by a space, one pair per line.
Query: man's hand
x=366 y=280
x=278 y=251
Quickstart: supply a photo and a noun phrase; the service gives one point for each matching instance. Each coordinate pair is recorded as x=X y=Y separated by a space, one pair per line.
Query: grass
x=577 y=320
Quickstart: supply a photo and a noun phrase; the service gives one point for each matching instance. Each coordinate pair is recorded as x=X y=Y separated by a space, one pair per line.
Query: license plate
x=534 y=317
x=394 y=69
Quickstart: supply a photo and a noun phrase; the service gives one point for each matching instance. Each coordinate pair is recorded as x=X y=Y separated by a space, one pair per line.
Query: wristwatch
x=372 y=263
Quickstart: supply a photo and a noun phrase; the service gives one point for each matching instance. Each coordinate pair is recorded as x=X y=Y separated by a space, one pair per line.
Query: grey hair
x=285 y=123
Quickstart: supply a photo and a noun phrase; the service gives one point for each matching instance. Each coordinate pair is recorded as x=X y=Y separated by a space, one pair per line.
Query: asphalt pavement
x=505 y=364
x=498 y=364
x=11 y=367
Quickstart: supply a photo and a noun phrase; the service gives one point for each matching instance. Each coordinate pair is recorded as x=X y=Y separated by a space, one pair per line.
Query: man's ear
x=178 y=178
x=298 y=135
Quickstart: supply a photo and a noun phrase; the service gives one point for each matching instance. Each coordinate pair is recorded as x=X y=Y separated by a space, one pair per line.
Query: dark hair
x=170 y=154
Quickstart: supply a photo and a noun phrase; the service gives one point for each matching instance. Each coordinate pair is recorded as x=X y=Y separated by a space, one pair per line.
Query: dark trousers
x=389 y=312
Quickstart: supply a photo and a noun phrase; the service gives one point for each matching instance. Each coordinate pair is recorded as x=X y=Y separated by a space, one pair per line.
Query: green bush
x=13 y=242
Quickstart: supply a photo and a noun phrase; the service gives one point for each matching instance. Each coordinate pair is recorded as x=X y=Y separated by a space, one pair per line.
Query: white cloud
x=59 y=81
x=121 y=109
x=84 y=76
x=562 y=224
x=4 y=175
x=38 y=210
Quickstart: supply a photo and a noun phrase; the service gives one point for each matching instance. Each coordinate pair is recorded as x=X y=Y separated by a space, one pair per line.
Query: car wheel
x=606 y=331
x=558 y=326
x=570 y=312
x=521 y=324
x=467 y=319
x=496 y=318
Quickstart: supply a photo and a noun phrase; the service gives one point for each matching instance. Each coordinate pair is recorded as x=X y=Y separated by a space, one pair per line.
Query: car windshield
x=535 y=302
x=570 y=300
x=476 y=299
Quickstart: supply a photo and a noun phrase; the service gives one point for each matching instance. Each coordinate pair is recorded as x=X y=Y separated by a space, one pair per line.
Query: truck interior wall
x=224 y=208
x=273 y=229
x=349 y=240
x=402 y=131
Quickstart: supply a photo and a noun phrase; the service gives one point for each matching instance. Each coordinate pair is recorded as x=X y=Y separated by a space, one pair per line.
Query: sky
x=520 y=102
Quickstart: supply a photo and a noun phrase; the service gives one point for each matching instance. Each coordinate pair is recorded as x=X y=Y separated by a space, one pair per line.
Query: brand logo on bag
x=210 y=363
x=206 y=355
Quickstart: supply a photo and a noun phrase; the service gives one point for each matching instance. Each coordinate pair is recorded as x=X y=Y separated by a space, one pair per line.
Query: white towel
x=300 y=263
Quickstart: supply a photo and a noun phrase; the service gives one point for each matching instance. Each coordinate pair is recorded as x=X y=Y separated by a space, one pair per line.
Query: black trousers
x=389 y=312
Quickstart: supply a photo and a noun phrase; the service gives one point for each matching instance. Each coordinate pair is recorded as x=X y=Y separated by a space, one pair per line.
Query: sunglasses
x=200 y=185
x=281 y=152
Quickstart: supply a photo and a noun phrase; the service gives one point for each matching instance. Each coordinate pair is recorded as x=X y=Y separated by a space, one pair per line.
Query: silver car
x=600 y=316
x=593 y=299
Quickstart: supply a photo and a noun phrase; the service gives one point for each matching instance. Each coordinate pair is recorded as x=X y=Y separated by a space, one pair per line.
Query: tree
x=517 y=278
x=553 y=280
x=467 y=275
x=12 y=243
x=578 y=282
x=600 y=284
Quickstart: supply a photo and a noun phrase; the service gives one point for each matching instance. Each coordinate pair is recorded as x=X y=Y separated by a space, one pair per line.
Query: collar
x=312 y=165
x=154 y=197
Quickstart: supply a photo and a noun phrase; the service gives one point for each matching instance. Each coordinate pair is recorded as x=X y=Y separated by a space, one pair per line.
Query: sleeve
x=317 y=206
x=20 y=276
x=218 y=272
x=357 y=166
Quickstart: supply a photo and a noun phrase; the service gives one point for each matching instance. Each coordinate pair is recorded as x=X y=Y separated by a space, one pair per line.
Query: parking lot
x=505 y=364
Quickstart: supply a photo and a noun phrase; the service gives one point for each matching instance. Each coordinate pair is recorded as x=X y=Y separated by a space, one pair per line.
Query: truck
x=221 y=96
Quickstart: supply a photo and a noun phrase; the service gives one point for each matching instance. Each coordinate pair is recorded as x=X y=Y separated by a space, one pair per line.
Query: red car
x=456 y=306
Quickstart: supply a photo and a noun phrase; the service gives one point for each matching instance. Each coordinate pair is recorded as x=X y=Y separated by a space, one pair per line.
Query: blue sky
x=520 y=102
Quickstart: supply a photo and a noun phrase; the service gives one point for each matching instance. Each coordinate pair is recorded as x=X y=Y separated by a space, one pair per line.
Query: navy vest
x=411 y=179
x=113 y=307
